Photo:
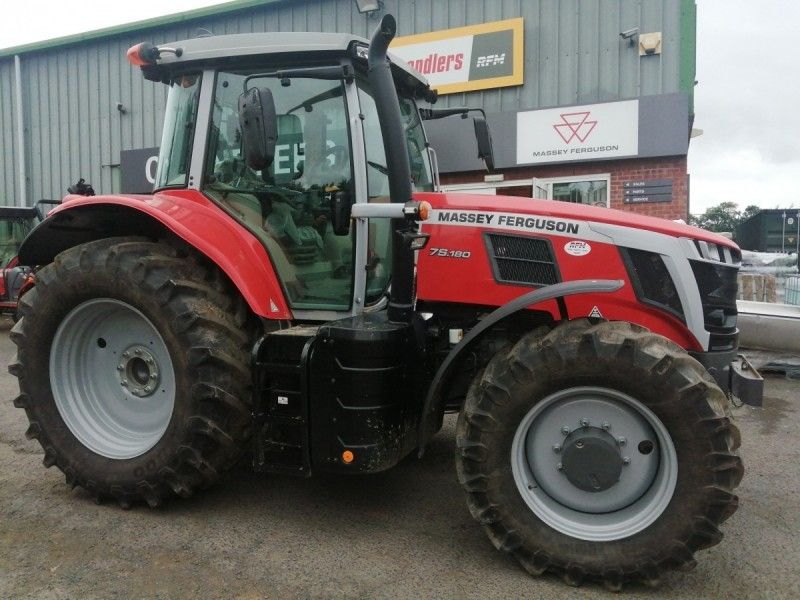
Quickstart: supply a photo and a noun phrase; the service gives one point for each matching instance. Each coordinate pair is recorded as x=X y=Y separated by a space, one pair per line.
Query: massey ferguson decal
x=498 y=220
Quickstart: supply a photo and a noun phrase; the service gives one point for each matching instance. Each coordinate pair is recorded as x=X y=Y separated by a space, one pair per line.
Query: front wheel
x=133 y=369
x=598 y=451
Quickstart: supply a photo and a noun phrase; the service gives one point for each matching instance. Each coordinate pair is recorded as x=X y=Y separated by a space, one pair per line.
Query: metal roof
x=173 y=18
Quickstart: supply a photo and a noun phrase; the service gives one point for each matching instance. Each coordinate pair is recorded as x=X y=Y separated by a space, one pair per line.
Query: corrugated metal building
x=79 y=103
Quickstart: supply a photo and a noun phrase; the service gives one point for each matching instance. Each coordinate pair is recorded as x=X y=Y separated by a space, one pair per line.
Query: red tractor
x=15 y=279
x=295 y=291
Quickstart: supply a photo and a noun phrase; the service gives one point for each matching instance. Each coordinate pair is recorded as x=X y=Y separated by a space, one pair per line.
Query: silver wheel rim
x=647 y=479
x=112 y=378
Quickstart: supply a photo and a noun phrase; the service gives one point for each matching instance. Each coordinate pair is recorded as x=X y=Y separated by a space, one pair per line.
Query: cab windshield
x=13 y=229
x=179 y=125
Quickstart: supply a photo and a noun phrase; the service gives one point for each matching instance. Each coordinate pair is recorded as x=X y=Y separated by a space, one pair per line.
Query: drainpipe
x=401 y=298
x=22 y=196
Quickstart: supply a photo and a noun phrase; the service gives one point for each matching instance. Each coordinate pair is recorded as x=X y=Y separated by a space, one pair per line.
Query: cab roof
x=212 y=48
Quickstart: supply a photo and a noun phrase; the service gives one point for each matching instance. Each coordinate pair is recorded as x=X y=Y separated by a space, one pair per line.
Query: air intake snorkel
x=399 y=170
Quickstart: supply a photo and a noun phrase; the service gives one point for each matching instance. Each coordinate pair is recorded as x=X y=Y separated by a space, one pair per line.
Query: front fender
x=185 y=213
x=523 y=302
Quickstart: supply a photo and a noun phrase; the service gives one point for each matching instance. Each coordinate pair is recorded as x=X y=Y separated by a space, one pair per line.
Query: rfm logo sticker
x=491 y=60
x=575 y=125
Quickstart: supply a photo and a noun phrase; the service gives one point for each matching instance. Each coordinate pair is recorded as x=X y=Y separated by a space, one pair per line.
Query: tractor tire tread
x=707 y=408
x=211 y=321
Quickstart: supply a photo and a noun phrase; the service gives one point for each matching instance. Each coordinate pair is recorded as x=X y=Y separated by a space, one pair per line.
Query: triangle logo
x=596 y=313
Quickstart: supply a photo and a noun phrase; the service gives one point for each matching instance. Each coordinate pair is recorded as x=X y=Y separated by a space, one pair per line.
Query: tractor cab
x=278 y=132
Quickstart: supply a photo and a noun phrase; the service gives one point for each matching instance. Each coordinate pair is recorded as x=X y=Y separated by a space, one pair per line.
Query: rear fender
x=185 y=213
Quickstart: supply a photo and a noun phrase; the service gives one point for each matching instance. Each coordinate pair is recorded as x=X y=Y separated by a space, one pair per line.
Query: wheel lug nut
x=124 y=383
x=626 y=460
x=560 y=467
x=565 y=430
x=152 y=375
x=606 y=426
x=126 y=354
x=584 y=422
x=622 y=441
x=120 y=367
x=557 y=448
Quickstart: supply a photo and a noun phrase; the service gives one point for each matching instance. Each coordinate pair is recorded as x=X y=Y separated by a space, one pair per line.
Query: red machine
x=15 y=224
x=296 y=290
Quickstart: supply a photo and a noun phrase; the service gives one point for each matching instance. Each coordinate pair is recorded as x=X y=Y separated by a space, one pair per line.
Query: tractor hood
x=484 y=206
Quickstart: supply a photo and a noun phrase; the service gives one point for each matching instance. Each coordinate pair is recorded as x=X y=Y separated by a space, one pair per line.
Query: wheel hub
x=591 y=459
x=138 y=371
x=112 y=378
x=594 y=463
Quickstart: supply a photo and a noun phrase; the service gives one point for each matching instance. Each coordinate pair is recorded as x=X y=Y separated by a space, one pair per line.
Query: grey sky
x=747 y=101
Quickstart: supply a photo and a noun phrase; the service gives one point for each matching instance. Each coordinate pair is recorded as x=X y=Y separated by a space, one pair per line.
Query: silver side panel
x=676 y=252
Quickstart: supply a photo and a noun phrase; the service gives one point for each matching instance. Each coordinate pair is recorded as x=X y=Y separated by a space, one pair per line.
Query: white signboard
x=590 y=132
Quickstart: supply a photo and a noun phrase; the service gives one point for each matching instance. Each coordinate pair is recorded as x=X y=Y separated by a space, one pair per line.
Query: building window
x=586 y=189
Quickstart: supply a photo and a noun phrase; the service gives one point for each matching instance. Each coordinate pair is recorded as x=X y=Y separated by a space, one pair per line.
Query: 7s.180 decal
x=447 y=253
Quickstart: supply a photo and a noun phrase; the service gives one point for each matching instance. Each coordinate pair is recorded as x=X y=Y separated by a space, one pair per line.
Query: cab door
x=287 y=205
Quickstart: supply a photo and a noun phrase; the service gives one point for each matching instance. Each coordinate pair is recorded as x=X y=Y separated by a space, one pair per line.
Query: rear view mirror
x=341 y=209
x=259 y=126
x=484 y=139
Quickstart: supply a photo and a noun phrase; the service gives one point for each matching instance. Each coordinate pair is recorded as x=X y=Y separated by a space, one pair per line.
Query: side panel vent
x=521 y=260
x=651 y=280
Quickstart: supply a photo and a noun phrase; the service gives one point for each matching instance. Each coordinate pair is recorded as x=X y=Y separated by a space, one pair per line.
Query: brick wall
x=673 y=167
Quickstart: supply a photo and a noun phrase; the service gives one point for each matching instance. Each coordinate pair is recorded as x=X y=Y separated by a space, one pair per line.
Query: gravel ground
x=402 y=534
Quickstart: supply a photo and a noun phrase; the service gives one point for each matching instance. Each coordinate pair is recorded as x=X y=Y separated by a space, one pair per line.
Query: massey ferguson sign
x=470 y=58
x=591 y=132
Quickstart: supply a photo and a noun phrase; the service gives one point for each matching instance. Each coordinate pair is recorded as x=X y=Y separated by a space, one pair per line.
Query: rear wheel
x=598 y=451
x=133 y=369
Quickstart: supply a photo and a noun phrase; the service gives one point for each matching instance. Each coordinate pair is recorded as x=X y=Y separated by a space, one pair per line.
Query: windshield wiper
x=332 y=72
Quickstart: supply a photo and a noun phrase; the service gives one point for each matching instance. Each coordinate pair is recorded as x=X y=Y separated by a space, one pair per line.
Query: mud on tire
x=207 y=330
x=634 y=361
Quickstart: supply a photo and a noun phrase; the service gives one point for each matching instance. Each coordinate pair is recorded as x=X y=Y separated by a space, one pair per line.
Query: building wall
x=9 y=180
x=620 y=171
x=573 y=54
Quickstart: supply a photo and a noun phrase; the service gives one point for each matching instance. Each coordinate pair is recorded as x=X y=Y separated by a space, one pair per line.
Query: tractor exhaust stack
x=394 y=144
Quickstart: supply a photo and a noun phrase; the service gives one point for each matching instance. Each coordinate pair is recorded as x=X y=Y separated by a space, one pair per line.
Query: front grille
x=522 y=260
x=651 y=280
x=718 y=288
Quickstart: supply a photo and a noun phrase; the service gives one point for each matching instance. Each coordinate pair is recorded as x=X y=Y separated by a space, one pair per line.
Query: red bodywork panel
x=471 y=281
x=201 y=223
